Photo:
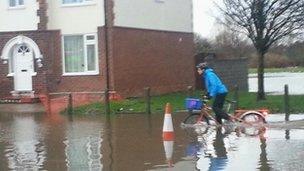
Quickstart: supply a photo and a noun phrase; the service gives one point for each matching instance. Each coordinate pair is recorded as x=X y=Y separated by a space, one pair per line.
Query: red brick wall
x=42 y=14
x=161 y=60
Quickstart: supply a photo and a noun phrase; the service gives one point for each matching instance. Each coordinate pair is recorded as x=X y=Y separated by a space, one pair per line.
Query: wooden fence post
x=286 y=102
x=70 y=104
x=107 y=101
x=189 y=91
x=236 y=97
x=148 y=99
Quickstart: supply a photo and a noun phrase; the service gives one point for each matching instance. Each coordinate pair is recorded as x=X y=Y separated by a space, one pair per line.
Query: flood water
x=274 y=82
x=134 y=142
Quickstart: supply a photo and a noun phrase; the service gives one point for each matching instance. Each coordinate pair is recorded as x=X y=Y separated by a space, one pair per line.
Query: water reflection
x=214 y=149
x=218 y=148
x=83 y=145
x=264 y=162
x=25 y=149
x=219 y=161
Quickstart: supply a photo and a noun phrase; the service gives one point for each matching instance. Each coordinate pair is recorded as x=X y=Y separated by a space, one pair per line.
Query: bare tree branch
x=265 y=22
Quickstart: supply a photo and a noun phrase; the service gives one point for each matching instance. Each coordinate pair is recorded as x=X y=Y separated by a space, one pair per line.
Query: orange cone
x=168 y=135
x=168 y=132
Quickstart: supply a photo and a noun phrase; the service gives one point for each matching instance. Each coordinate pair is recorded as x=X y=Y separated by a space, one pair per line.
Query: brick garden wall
x=232 y=72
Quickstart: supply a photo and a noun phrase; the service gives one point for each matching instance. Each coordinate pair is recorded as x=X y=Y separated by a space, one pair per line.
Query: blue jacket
x=213 y=83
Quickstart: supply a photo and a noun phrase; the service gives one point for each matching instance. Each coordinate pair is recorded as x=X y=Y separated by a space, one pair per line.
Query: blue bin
x=193 y=104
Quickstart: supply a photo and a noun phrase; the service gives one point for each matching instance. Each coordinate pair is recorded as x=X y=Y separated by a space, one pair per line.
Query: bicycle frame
x=237 y=115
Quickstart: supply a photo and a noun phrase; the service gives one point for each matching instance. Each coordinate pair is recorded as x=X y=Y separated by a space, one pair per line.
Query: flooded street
x=134 y=142
x=274 y=82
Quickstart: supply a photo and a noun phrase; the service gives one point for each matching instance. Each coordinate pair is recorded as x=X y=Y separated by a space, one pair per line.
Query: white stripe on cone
x=168 y=146
x=168 y=125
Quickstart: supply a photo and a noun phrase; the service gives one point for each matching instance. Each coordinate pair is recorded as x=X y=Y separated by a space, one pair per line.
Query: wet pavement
x=22 y=108
x=134 y=142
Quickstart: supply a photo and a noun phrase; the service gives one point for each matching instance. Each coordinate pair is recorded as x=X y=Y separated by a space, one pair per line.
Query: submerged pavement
x=22 y=108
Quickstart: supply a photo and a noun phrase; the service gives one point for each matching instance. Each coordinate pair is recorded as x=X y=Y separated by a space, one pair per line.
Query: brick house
x=50 y=46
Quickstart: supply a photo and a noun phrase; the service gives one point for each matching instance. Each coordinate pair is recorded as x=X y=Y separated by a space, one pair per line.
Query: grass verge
x=275 y=103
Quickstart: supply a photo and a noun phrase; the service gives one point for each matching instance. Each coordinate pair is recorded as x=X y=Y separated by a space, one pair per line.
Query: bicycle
x=200 y=112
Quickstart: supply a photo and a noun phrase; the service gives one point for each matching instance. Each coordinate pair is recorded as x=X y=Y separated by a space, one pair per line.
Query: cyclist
x=215 y=89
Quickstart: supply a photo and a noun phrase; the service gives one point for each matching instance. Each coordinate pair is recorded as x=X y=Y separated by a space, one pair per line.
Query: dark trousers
x=217 y=107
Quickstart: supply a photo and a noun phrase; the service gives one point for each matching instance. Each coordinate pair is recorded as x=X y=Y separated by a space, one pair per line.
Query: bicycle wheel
x=194 y=118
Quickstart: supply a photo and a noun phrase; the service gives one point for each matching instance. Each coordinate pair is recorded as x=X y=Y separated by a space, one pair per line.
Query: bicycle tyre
x=194 y=118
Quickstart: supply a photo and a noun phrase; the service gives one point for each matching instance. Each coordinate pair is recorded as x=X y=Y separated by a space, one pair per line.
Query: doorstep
x=20 y=99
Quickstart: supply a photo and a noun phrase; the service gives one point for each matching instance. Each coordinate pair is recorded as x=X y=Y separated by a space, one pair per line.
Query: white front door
x=23 y=68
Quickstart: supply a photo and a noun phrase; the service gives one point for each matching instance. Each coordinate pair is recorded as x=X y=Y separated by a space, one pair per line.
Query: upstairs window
x=71 y=2
x=16 y=3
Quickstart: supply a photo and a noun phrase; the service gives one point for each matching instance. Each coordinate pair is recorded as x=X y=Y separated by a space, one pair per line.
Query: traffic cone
x=168 y=135
x=168 y=132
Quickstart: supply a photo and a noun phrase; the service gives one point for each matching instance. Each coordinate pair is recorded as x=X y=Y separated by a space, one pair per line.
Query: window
x=16 y=3
x=76 y=1
x=80 y=54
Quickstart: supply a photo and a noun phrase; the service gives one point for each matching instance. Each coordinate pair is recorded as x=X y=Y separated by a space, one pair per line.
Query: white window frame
x=85 y=43
x=17 y=5
x=83 y=3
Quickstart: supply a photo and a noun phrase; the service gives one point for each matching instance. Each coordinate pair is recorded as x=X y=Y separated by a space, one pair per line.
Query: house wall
x=19 y=19
x=154 y=14
x=161 y=60
x=77 y=19
x=79 y=83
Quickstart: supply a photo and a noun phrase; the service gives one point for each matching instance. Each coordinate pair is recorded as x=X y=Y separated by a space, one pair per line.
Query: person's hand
x=207 y=96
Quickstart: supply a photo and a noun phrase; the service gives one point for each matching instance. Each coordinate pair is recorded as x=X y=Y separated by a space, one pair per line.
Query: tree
x=264 y=22
x=231 y=45
x=202 y=45
x=295 y=52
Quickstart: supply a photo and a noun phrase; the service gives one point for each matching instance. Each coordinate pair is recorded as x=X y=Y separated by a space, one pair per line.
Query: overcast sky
x=203 y=17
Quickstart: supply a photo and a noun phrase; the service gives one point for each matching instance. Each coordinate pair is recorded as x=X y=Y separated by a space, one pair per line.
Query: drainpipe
x=106 y=34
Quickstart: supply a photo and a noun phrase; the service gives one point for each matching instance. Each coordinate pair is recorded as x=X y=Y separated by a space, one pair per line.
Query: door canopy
x=5 y=55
